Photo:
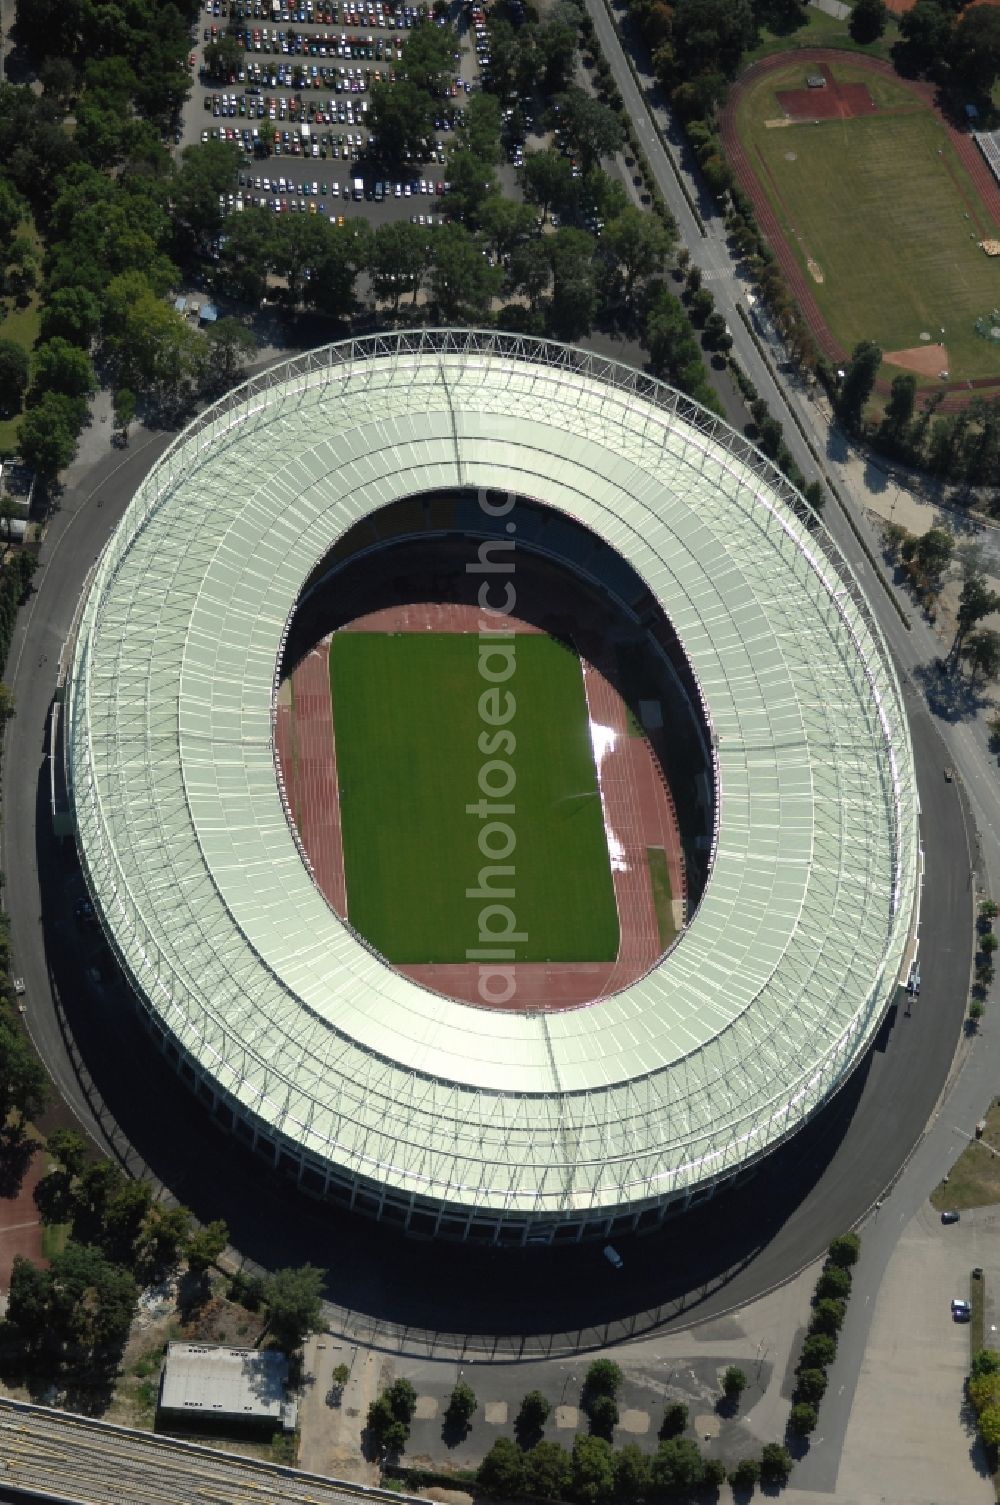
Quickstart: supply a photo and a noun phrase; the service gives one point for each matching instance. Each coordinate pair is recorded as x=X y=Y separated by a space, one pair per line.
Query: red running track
x=638 y=813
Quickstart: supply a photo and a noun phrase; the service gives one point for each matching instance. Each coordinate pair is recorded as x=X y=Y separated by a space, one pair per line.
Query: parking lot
x=306 y=74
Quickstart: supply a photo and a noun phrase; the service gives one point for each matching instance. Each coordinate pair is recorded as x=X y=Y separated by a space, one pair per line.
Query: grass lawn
x=820 y=30
x=54 y=1237
x=407 y=724
x=974 y=1179
x=885 y=209
x=659 y=877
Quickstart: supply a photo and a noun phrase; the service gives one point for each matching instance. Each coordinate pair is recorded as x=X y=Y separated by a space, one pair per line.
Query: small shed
x=206 y=1383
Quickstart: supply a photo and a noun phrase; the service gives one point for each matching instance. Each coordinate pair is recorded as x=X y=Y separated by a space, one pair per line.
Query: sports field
x=880 y=214
x=407 y=726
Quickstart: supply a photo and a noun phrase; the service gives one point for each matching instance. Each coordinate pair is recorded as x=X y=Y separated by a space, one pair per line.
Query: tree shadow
x=949 y=695
x=454 y=1430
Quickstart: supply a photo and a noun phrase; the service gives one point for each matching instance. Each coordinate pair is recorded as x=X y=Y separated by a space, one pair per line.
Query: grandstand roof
x=792 y=956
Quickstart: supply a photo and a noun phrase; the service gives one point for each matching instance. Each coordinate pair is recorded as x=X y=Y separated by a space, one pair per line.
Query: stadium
x=504 y=1125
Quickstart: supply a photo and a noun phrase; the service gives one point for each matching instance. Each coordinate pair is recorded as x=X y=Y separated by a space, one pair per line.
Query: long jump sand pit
x=925 y=360
x=835 y=101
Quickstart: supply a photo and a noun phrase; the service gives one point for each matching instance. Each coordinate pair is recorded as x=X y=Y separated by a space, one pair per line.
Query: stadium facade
x=469 y=1123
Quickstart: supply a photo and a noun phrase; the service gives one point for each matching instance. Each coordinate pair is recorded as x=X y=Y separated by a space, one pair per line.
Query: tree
x=402 y=1399
x=246 y=255
x=461 y=280
x=867 y=21
x=574 y=286
x=223 y=57
x=549 y=1470
x=976 y=1012
x=230 y=347
x=818 y=1351
x=985 y=1360
x=480 y=130
x=834 y=1281
x=461 y=1405
x=24 y=1086
x=402 y=121
x=775 y=1464
x=632 y=1473
x=21 y=276
x=73 y=313
x=589 y=127
x=162 y=1240
x=504 y=223
x=206 y=171
x=503 y=1470
x=546 y=180
x=745 y=1475
x=13 y=210
x=638 y=244
x=124 y=1217
x=710 y=36
x=28 y=1302
x=58 y=78
x=734 y=1382
x=13 y=375
x=59 y=366
x=603 y=1413
x=926 y=30
x=68 y=1149
x=294 y=1304
x=858 y=383
x=91 y=1301
x=677 y=1467
x=933 y=551
x=398 y=258
x=603 y=1377
x=593 y=1464
x=828 y=1317
x=974 y=49
x=555 y=42
x=981 y=651
x=802 y=1418
x=534 y=1412
x=675 y=1420
x=810 y=1385
x=976 y=601
x=989 y=1425
x=205 y=1245
x=123 y=408
x=428 y=58
x=471 y=183
x=845 y=1250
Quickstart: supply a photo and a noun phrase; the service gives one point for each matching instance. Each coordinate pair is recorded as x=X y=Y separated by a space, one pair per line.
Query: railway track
x=93 y=1463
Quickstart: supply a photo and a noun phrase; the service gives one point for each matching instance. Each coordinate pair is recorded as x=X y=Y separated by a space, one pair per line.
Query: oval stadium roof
x=791 y=959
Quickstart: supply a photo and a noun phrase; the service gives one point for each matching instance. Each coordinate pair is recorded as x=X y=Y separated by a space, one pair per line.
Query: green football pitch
x=884 y=208
x=407 y=724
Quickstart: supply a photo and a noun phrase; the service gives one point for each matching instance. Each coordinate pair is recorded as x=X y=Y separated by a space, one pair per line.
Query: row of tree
x=833 y=1288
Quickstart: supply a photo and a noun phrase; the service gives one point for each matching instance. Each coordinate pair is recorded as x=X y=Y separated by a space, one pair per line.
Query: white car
x=613 y=1257
x=19 y=986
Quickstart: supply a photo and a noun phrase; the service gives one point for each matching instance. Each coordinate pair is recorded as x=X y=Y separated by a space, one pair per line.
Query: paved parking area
x=321 y=152
x=909 y=1437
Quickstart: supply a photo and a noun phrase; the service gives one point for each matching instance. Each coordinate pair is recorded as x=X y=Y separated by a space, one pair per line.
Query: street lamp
x=566 y=1381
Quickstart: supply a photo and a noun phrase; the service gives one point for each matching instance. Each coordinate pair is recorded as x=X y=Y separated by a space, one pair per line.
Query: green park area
x=881 y=216
x=419 y=737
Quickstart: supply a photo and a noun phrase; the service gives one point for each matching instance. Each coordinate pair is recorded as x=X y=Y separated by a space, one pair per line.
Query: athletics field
x=879 y=206
x=408 y=722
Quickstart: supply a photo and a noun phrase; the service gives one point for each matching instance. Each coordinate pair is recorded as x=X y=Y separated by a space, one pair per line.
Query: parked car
x=950 y=1216
x=613 y=1257
x=961 y=1311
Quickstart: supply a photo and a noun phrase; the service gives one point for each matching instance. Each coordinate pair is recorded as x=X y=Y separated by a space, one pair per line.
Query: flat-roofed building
x=208 y=1382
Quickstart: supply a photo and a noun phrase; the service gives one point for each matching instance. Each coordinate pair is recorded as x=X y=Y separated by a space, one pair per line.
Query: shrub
x=818 y=1351
x=603 y=1378
x=775 y=1463
x=844 y=1250
x=745 y=1474
x=734 y=1382
x=534 y=1412
x=810 y=1385
x=802 y=1419
x=502 y=1471
x=835 y=1281
x=603 y=1413
x=828 y=1317
x=461 y=1404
